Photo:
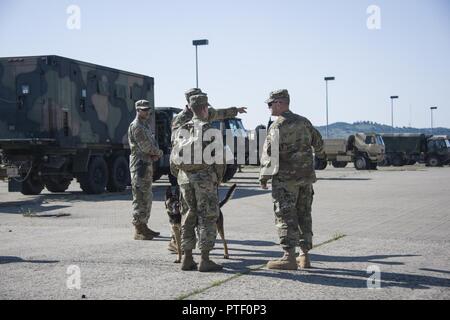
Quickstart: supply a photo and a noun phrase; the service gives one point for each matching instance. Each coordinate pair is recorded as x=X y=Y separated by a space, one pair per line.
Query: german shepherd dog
x=172 y=203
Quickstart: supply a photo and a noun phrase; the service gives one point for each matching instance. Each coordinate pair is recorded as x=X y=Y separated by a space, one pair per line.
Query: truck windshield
x=237 y=127
x=380 y=140
x=447 y=142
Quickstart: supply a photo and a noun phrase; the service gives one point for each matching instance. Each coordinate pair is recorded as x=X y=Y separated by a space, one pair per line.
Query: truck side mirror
x=20 y=101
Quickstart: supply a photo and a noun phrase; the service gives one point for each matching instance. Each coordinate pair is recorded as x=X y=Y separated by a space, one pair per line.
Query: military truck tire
x=372 y=165
x=433 y=162
x=339 y=164
x=411 y=162
x=33 y=185
x=94 y=181
x=229 y=172
x=320 y=164
x=57 y=184
x=360 y=163
x=397 y=161
x=385 y=162
x=173 y=180
x=119 y=171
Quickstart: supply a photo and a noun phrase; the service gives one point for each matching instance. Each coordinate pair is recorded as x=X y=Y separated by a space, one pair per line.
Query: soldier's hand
x=264 y=185
x=242 y=110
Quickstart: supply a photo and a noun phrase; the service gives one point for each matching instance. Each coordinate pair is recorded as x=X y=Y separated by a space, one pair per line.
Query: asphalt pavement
x=381 y=234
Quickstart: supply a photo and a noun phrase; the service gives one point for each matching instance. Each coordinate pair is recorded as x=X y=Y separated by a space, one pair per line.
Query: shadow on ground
x=372 y=259
x=31 y=209
x=345 y=179
x=356 y=278
x=11 y=259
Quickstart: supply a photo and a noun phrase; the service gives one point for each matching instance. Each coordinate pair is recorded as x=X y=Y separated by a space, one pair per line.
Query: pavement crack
x=336 y=237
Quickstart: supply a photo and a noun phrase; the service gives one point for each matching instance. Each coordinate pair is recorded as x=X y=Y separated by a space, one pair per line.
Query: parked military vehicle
x=365 y=150
x=408 y=149
x=163 y=119
x=240 y=136
x=62 y=119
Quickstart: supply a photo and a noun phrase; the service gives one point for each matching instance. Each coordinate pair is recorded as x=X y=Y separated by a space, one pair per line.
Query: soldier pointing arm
x=213 y=114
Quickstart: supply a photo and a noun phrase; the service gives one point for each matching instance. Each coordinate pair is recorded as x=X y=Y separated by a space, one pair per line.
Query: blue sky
x=256 y=47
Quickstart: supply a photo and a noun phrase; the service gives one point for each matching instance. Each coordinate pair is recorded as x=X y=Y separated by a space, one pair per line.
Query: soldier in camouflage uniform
x=292 y=179
x=144 y=151
x=198 y=184
x=184 y=117
x=213 y=114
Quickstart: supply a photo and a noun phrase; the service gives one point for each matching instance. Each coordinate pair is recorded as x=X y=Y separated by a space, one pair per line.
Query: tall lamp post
x=197 y=43
x=326 y=86
x=431 y=109
x=392 y=110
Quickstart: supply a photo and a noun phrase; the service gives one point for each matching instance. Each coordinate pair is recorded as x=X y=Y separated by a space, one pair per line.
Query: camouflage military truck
x=407 y=149
x=365 y=150
x=164 y=116
x=62 y=119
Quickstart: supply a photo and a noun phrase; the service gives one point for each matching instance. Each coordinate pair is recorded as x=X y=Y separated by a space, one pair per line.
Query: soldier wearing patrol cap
x=144 y=151
x=213 y=114
x=198 y=184
x=184 y=117
x=292 y=179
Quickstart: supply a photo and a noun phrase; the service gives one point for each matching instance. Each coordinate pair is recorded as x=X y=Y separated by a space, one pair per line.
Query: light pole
x=392 y=110
x=431 y=109
x=197 y=43
x=326 y=86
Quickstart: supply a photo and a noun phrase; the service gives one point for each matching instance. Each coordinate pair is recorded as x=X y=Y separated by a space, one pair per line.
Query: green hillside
x=343 y=130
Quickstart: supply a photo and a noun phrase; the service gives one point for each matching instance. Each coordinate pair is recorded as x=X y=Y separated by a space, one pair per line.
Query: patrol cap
x=193 y=92
x=278 y=94
x=142 y=105
x=198 y=101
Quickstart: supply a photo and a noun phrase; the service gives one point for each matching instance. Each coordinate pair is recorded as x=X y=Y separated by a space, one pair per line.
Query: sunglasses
x=145 y=110
x=271 y=103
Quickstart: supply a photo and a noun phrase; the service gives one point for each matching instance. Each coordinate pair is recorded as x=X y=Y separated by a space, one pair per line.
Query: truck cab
x=240 y=138
x=438 y=151
x=365 y=150
x=163 y=130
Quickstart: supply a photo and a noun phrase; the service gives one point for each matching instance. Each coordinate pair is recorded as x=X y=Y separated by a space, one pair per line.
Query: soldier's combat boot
x=188 y=262
x=151 y=232
x=141 y=233
x=206 y=265
x=303 y=260
x=287 y=262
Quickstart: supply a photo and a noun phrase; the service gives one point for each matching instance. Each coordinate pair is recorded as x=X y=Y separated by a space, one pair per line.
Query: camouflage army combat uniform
x=144 y=150
x=293 y=178
x=213 y=114
x=184 y=117
x=198 y=184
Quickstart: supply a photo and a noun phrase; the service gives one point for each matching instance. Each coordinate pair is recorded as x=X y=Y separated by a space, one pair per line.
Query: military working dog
x=173 y=203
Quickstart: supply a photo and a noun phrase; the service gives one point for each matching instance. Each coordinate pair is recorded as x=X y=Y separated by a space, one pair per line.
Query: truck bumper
x=9 y=172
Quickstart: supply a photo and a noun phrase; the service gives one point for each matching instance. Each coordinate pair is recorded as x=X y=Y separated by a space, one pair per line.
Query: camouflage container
x=62 y=119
